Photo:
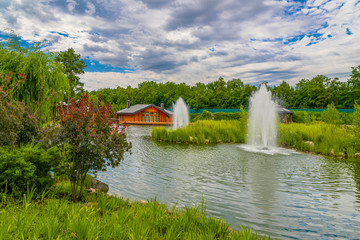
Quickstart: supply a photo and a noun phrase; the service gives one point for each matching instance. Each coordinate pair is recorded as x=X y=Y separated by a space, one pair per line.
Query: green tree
x=284 y=93
x=354 y=84
x=46 y=81
x=91 y=141
x=73 y=67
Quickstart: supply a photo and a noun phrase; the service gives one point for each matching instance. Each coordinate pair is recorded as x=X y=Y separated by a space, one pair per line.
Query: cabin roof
x=140 y=107
x=283 y=110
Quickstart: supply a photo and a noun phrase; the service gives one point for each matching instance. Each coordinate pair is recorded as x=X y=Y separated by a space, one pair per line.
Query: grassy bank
x=204 y=131
x=322 y=138
x=105 y=217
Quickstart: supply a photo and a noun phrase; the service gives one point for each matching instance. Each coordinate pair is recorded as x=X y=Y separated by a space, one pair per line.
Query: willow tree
x=46 y=83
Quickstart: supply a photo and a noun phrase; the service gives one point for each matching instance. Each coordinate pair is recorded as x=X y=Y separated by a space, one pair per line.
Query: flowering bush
x=93 y=140
x=17 y=123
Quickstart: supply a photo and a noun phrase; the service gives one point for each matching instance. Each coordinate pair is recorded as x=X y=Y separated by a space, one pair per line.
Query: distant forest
x=315 y=93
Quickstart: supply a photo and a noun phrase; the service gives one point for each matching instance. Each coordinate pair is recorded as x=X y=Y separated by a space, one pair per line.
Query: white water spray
x=181 y=114
x=262 y=122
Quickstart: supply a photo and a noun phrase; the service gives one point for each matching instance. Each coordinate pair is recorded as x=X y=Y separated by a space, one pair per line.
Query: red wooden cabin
x=145 y=114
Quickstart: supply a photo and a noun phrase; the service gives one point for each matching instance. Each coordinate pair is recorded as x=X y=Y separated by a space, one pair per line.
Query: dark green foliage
x=73 y=67
x=206 y=115
x=17 y=124
x=26 y=166
x=317 y=92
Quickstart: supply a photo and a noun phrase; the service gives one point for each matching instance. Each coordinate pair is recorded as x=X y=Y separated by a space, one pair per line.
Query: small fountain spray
x=262 y=122
x=181 y=114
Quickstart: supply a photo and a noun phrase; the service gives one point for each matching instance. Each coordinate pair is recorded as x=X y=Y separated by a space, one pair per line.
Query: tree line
x=317 y=92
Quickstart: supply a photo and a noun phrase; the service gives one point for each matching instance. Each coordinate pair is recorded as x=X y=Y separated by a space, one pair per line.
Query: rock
x=220 y=141
x=332 y=152
x=99 y=185
x=284 y=145
x=92 y=190
x=191 y=138
x=311 y=144
x=207 y=141
x=357 y=155
x=142 y=202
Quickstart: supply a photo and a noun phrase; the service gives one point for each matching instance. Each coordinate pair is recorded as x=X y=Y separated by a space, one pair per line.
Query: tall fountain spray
x=181 y=114
x=262 y=122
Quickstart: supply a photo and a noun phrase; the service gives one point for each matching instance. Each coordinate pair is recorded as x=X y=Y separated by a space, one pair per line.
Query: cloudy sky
x=125 y=42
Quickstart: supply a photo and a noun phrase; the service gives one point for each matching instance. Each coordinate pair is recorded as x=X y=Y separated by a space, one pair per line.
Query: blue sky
x=125 y=42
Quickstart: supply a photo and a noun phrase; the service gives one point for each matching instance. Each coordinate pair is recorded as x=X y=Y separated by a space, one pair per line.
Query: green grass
x=106 y=217
x=204 y=131
x=327 y=139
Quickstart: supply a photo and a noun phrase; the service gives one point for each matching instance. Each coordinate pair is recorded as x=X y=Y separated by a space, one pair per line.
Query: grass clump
x=204 y=131
x=323 y=138
x=107 y=217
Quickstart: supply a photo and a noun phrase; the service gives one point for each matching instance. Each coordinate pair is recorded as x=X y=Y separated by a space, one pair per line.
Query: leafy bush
x=306 y=116
x=331 y=115
x=356 y=116
x=206 y=115
x=27 y=166
x=90 y=140
x=17 y=124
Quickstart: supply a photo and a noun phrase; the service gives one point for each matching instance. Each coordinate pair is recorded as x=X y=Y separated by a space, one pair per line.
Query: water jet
x=262 y=122
x=181 y=114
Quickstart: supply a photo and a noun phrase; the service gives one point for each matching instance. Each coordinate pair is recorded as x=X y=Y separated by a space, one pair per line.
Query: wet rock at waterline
x=99 y=186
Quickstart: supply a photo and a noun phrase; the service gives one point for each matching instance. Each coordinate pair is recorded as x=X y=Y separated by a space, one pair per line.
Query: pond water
x=296 y=196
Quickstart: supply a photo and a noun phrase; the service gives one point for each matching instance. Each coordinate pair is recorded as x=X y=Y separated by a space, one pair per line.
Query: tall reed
x=204 y=131
x=112 y=218
x=328 y=139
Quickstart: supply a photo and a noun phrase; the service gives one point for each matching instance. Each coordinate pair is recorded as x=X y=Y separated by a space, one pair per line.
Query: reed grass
x=107 y=217
x=204 y=131
x=319 y=137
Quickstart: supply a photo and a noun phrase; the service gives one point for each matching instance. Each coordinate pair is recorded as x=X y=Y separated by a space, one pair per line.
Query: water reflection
x=299 y=196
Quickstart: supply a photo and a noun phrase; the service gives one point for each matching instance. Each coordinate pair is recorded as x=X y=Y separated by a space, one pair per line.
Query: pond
x=296 y=196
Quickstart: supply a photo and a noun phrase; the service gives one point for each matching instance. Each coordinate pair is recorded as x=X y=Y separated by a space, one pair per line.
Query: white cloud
x=172 y=42
x=71 y=4
x=90 y=8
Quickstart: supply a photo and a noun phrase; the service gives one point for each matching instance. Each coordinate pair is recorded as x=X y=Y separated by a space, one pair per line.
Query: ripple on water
x=293 y=196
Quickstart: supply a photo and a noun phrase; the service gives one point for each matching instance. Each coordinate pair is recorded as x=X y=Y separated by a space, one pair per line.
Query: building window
x=143 y=116
x=151 y=117
x=155 y=116
x=147 y=116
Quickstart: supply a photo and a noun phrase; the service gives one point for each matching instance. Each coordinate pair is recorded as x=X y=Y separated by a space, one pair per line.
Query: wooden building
x=286 y=115
x=145 y=114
